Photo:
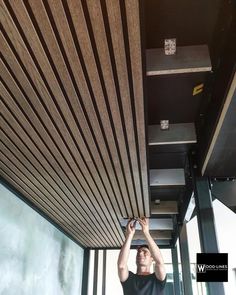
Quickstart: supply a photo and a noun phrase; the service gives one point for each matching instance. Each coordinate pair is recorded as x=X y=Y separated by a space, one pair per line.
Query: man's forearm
x=122 y=262
x=124 y=252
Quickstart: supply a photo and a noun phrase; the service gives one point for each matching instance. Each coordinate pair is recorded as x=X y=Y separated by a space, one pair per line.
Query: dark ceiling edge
x=145 y=96
x=203 y=166
x=209 y=134
x=19 y=195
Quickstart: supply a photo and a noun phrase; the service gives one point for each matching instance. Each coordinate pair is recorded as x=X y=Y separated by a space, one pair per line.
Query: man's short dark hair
x=143 y=246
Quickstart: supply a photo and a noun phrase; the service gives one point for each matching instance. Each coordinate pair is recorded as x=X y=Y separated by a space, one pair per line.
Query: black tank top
x=143 y=285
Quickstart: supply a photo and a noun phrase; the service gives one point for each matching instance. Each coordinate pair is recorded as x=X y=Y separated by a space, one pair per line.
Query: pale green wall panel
x=35 y=257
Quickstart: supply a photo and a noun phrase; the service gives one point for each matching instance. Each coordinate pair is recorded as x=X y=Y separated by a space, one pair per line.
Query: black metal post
x=104 y=272
x=205 y=216
x=206 y=226
x=95 y=273
x=184 y=253
x=85 y=272
x=175 y=270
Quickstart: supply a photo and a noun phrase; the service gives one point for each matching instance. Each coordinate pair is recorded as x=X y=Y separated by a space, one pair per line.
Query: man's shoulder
x=130 y=277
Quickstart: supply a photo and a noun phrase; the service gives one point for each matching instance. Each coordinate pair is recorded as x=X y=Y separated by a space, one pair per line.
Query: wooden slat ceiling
x=72 y=126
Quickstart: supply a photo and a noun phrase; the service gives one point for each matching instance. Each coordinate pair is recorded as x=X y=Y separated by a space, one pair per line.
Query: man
x=143 y=282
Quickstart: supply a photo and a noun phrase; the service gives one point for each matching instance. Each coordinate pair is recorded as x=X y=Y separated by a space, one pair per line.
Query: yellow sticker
x=198 y=89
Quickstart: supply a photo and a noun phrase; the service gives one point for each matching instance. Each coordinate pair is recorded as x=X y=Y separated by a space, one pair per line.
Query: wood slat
x=47 y=138
x=25 y=191
x=73 y=131
x=14 y=168
x=72 y=201
x=70 y=160
x=133 y=25
x=64 y=75
x=96 y=108
x=115 y=22
x=69 y=200
x=67 y=192
x=49 y=73
x=99 y=33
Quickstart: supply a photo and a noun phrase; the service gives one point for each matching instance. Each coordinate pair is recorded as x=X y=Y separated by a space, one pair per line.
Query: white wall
x=35 y=257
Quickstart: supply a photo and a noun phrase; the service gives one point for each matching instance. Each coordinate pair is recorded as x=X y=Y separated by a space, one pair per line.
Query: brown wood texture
x=73 y=136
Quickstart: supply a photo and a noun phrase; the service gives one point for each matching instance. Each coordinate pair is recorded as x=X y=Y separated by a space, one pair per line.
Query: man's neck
x=143 y=270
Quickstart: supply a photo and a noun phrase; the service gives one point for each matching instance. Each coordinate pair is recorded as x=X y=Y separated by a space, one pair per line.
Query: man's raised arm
x=160 y=271
x=122 y=262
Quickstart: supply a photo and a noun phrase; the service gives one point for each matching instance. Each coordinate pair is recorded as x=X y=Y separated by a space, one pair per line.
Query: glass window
x=100 y=272
x=91 y=272
x=113 y=285
x=96 y=270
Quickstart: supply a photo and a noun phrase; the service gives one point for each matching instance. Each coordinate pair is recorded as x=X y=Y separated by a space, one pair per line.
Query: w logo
x=201 y=268
x=212 y=267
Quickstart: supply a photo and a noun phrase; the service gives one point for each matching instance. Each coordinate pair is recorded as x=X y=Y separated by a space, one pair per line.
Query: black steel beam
x=205 y=216
x=184 y=253
x=95 y=272
x=175 y=271
x=104 y=268
x=85 y=272
x=206 y=226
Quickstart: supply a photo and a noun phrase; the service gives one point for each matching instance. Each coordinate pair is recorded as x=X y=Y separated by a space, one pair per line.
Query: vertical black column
x=95 y=274
x=85 y=272
x=104 y=272
x=175 y=270
x=184 y=253
x=206 y=226
x=205 y=216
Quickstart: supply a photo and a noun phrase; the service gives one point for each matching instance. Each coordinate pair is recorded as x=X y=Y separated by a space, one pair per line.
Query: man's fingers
x=140 y=221
x=131 y=223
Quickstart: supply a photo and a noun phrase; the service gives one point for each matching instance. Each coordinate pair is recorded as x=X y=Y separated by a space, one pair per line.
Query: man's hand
x=130 y=228
x=144 y=222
